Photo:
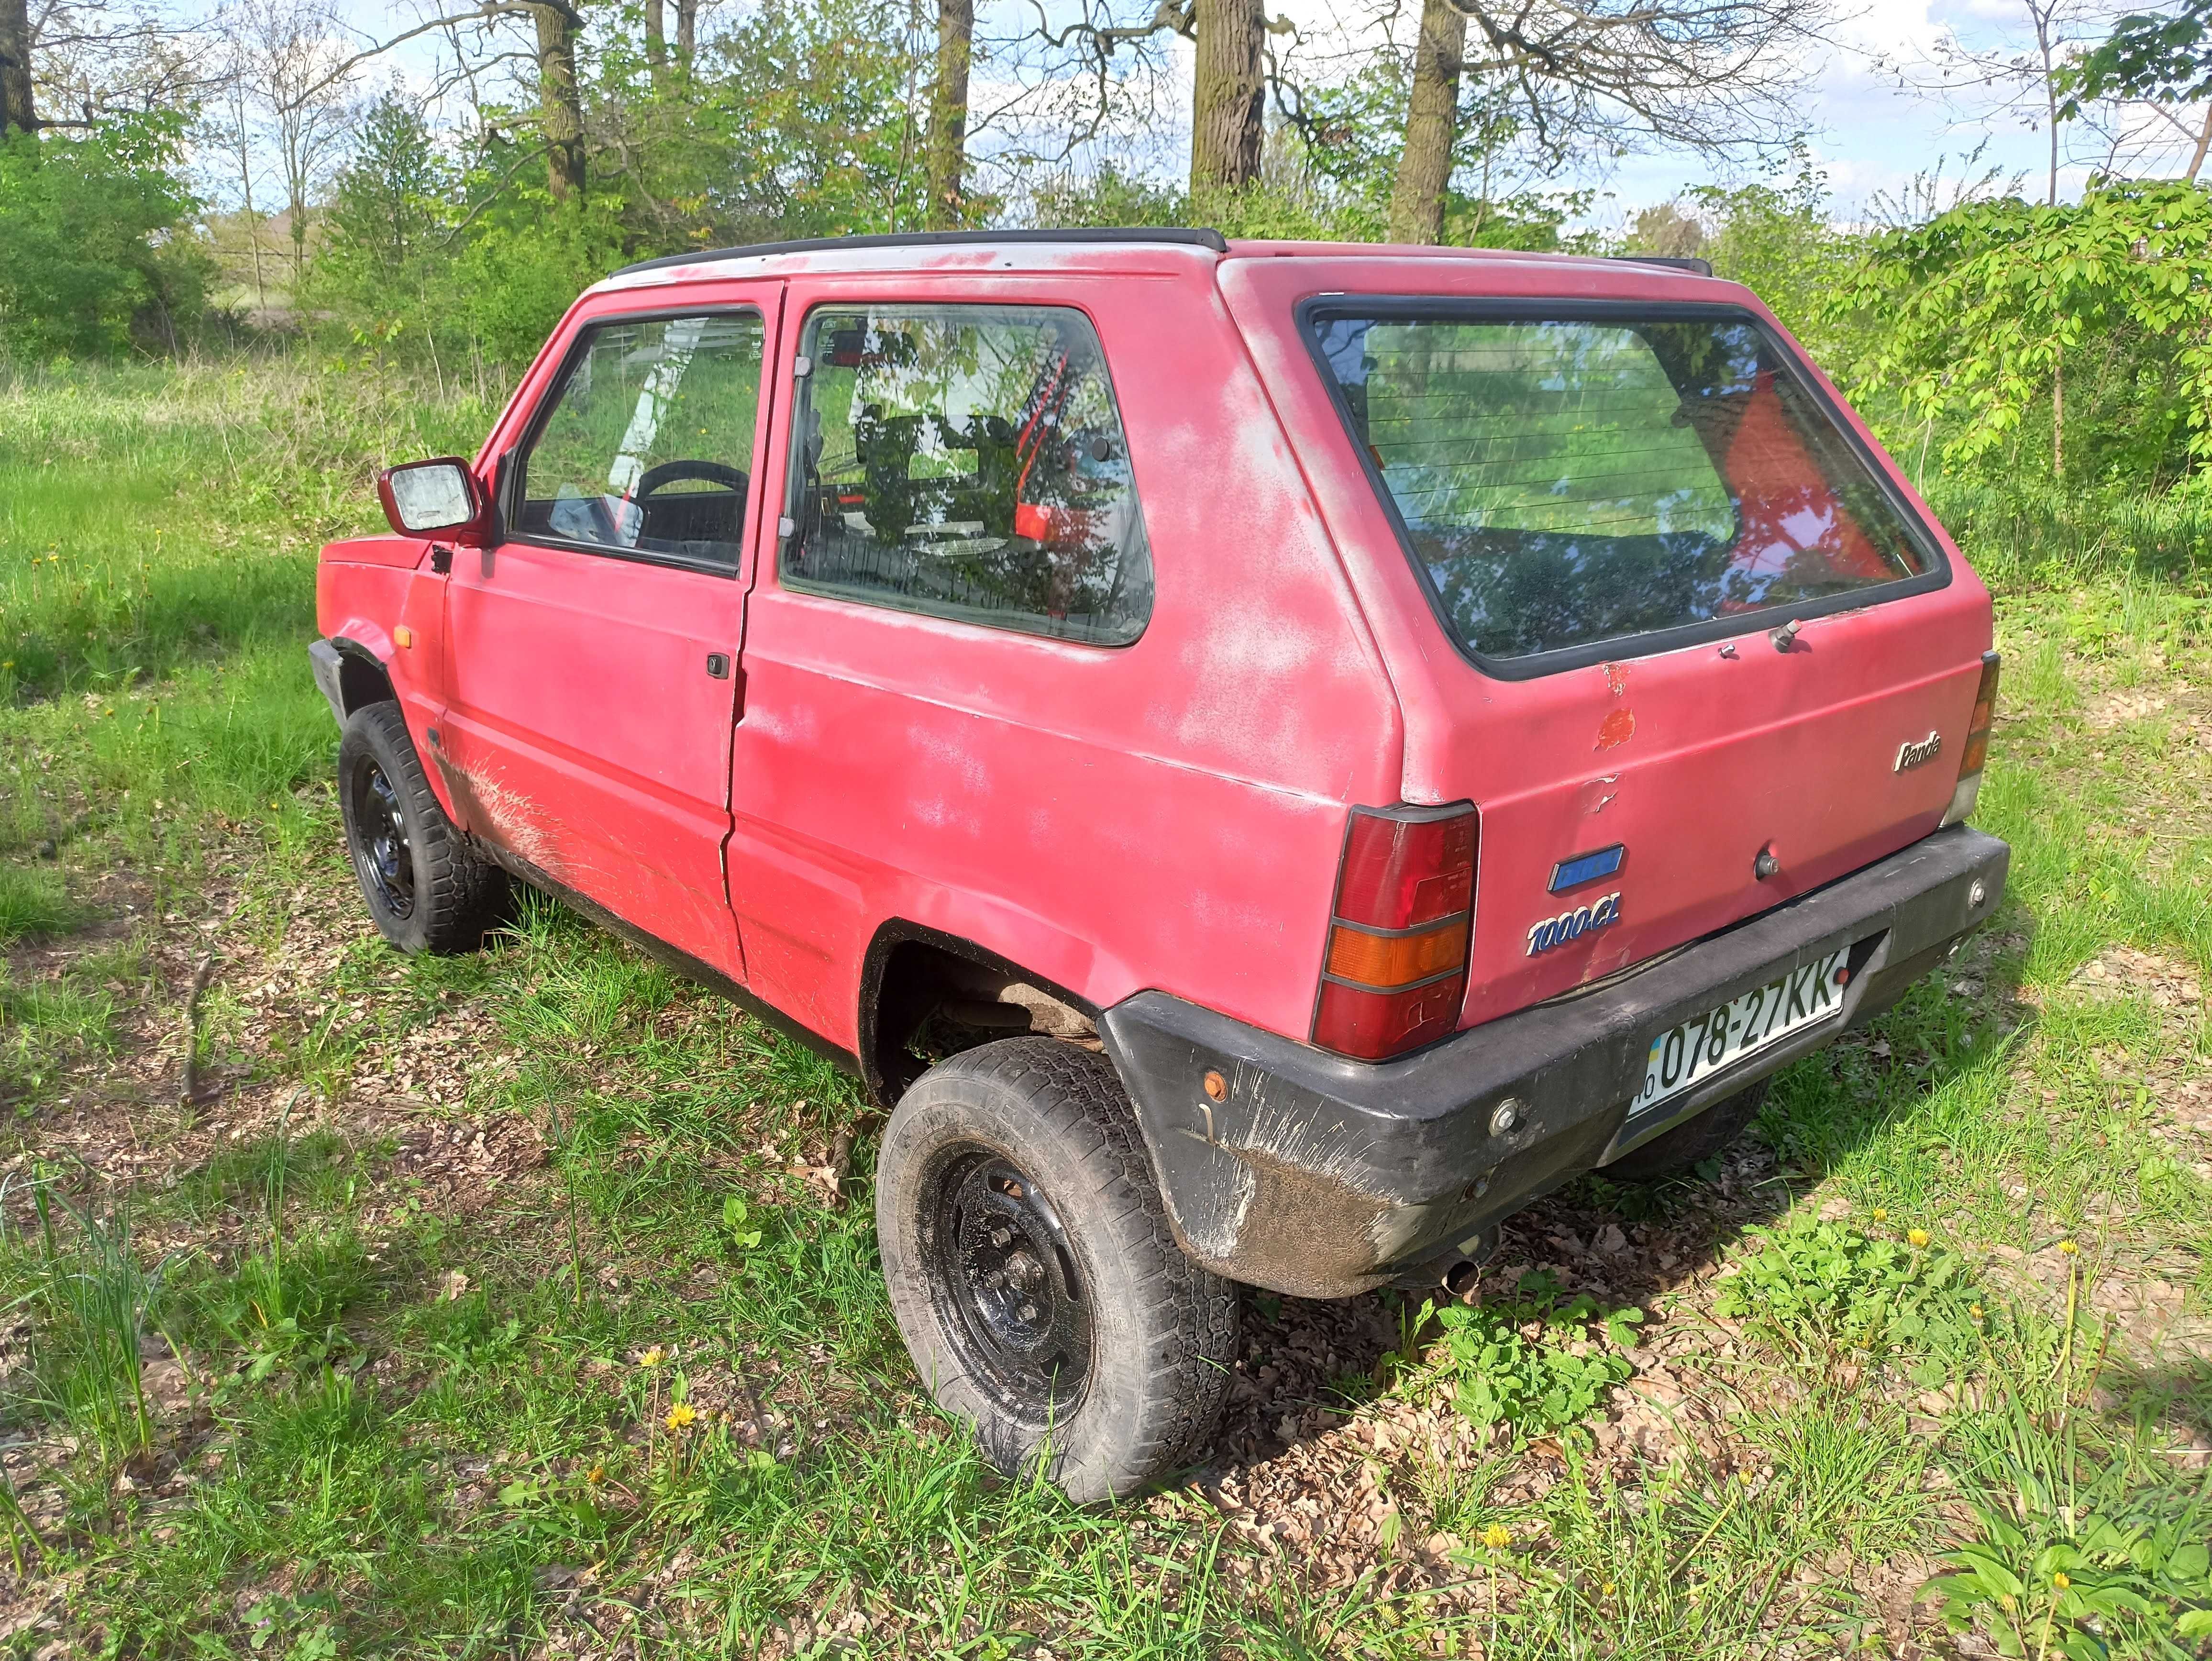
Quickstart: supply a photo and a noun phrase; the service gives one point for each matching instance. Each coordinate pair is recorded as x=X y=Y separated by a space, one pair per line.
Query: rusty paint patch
x=1617 y=728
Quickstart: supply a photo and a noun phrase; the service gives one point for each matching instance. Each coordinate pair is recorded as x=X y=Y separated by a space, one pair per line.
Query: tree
x=1424 y=164
x=560 y=105
x=1713 y=76
x=90 y=253
x=948 y=114
x=1980 y=308
x=1229 y=91
x=16 y=111
x=2162 y=61
x=290 y=61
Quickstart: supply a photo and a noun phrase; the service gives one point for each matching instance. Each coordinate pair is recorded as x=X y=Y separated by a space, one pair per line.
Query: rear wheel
x=1691 y=1142
x=425 y=890
x=1033 y=1274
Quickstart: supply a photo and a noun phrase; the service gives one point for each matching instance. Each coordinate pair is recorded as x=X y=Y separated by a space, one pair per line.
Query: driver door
x=590 y=654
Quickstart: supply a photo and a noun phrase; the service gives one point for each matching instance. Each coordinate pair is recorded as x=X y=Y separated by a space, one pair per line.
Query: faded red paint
x=1167 y=814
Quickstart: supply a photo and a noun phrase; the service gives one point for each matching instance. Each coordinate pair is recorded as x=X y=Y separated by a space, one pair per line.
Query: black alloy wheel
x=1010 y=1294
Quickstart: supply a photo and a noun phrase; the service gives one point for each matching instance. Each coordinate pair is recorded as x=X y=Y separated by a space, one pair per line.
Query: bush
x=93 y=252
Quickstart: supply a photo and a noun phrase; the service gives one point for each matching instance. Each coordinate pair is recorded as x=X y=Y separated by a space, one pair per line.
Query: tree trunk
x=16 y=114
x=2059 y=421
x=656 y=36
x=1417 y=203
x=560 y=108
x=1228 y=95
x=687 y=28
x=948 y=115
x=2203 y=143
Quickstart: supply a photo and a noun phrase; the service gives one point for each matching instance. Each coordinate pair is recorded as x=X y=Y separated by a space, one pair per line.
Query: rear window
x=1568 y=482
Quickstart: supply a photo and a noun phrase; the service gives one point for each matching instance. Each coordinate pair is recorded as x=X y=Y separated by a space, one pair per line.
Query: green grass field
x=516 y=1305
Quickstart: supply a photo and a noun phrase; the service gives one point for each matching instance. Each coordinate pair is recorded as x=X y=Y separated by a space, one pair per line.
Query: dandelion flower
x=680 y=1415
x=1606 y=1590
x=2068 y=1247
x=1974 y=1310
x=1497 y=1536
x=654 y=1357
x=596 y=1474
x=2061 y=1581
x=1881 y=1214
x=1917 y=1236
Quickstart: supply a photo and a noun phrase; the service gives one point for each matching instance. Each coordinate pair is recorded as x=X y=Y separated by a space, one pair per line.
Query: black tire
x=1100 y=1352
x=1691 y=1142
x=425 y=888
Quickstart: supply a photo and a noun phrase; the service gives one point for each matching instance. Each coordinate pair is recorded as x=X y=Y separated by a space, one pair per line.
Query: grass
x=352 y=1357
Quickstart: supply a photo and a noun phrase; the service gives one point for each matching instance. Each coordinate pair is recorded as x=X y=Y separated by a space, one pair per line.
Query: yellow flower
x=654 y=1357
x=2068 y=1247
x=1606 y=1590
x=2061 y=1581
x=1880 y=1214
x=1917 y=1236
x=1974 y=1310
x=680 y=1415
x=596 y=1474
x=1497 y=1536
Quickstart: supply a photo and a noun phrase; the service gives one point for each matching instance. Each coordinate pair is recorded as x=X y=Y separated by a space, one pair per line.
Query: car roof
x=1102 y=249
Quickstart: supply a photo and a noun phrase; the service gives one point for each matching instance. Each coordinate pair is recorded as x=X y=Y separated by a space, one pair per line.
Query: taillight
x=1395 y=972
x=1977 y=748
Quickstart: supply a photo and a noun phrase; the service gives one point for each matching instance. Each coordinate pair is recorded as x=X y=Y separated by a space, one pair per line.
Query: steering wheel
x=711 y=472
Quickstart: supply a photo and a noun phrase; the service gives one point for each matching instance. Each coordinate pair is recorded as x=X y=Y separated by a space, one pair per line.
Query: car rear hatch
x=1673 y=625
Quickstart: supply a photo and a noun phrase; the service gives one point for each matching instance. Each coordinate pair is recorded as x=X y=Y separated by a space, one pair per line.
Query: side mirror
x=424 y=497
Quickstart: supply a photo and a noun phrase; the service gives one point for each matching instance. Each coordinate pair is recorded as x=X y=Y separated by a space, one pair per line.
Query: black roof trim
x=1681 y=261
x=1205 y=238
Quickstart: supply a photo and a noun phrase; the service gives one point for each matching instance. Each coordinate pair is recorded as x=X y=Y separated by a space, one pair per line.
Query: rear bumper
x=1324 y=1176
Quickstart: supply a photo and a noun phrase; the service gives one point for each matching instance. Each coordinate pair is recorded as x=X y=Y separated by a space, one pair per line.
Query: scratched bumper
x=1322 y=1177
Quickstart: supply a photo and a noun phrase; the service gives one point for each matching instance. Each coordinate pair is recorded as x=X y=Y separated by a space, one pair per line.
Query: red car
x=1264 y=759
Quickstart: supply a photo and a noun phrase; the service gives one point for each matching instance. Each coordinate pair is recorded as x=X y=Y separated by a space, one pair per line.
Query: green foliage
x=1533 y=1361
x=392 y=214
x=1814 y=1280
x=1982 y=308
x=32 y=901
x=2149 y=55
x=1777 y=241
x=2055 y=1586
x=92 y=254
x=93 y=1302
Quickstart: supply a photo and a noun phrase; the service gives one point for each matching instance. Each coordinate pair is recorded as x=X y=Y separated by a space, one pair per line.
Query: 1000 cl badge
x=1573 y=925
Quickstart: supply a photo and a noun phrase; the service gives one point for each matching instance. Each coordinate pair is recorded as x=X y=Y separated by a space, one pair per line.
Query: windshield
x=1565 y=481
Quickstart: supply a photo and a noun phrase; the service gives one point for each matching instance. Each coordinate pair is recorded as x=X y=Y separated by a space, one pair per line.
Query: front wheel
x=1033 y=1274
x=425 y=890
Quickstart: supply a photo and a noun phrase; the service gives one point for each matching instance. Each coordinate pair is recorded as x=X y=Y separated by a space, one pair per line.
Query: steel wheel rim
x=382 y=850
x=1009 y=1289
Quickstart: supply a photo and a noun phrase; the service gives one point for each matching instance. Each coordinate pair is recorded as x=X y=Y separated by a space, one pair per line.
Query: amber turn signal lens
x=1393 y=960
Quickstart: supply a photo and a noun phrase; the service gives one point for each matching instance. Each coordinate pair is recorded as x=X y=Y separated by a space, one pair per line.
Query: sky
x=1867 y=133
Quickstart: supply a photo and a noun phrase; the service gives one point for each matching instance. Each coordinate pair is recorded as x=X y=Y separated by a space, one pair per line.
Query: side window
x=649 y=446
x=967 y=461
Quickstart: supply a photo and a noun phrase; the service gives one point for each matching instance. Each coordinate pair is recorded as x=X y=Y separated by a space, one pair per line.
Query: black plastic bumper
x=1322 y=1177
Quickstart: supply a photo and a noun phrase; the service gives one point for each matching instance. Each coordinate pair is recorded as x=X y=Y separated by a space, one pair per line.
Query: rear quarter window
x=1568 y=483
x=967 y=461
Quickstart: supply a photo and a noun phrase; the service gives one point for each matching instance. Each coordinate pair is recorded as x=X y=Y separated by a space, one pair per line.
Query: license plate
x=1724 y=1036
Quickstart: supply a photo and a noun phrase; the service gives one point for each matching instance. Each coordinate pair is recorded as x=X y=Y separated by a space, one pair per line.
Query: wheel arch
x=914 y=976
x=364 y=677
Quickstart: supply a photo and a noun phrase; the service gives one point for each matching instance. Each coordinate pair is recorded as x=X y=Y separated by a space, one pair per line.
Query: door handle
x=718 y=664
